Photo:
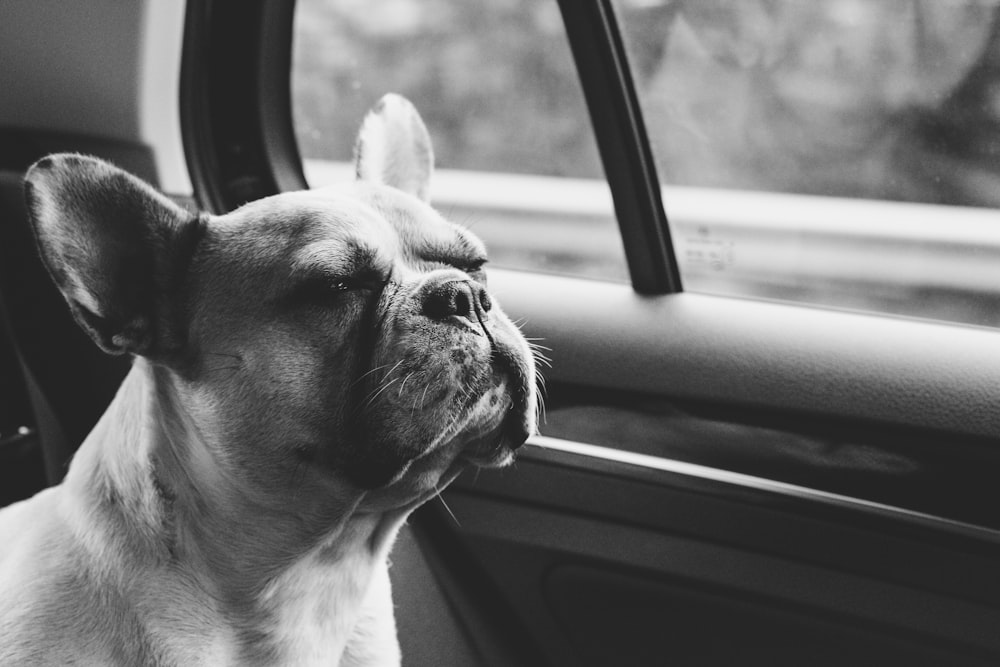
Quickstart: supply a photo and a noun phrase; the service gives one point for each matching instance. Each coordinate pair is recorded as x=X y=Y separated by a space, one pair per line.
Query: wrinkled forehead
x=344 y=222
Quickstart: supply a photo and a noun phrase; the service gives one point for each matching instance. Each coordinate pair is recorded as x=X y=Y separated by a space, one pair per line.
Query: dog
x=308 y=369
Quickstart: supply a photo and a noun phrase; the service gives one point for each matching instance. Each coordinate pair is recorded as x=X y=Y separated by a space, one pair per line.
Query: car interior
x=721 y=477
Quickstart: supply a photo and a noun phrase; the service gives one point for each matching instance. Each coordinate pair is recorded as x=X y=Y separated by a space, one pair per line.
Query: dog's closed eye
x=321 y=289
x=369 y=280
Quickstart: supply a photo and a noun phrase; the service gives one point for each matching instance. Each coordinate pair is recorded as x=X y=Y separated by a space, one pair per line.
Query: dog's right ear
x=116 y=249
x=394 y=148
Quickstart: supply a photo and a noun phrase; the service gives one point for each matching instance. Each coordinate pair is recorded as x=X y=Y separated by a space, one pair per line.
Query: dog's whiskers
x=368 y=402
x=402 y=385
x=382 y=386
x=392 y=370
x=426 y=387
x=540 y=381
x=413 y=406
x=466 y=395
x=446 y=508
x=538 y=349
x=370 y=399
x=542 y=360
x=540 y=413
x=369 y=372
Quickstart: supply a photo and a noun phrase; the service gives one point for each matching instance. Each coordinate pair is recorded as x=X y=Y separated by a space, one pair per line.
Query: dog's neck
x=142 y=480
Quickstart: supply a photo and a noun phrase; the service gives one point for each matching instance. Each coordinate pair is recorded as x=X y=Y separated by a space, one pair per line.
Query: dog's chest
x=313 y=607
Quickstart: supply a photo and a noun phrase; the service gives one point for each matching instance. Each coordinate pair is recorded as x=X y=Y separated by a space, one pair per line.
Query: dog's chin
x=492 y=445
x=488 y=438
x=495 y=448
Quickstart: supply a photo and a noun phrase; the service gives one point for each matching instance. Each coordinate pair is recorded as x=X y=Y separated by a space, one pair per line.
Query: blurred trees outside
x=881 y=99
x=884 y=99
x=493 y=79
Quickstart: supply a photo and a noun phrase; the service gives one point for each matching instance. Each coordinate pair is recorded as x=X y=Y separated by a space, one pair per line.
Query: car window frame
x=240 y=143
x=606 y=79
x=235 y=102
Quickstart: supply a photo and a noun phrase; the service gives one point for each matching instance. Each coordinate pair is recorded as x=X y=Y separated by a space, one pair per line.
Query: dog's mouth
x=493 y=424
x=485 y=439
x=511 y=427
x=496 y=447
x=450 y=395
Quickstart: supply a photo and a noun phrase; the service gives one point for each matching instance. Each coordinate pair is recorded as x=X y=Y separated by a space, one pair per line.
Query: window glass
x=495 y=82
x=839 y=152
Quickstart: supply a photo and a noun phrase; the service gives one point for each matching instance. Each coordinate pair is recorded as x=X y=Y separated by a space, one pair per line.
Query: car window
x=836 y=152
x=495 y=82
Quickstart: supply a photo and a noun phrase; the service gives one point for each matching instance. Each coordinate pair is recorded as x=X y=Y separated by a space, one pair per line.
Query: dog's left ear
x=115 y=248
x=394 y=148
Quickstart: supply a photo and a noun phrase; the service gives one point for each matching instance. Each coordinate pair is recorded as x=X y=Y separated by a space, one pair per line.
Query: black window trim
x=240 y=143
x=235 y=98
x=606 y=79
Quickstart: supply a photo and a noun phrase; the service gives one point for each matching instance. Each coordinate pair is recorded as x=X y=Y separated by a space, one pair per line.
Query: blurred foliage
x=493 y=79
x=883 y=99
x=887 y=99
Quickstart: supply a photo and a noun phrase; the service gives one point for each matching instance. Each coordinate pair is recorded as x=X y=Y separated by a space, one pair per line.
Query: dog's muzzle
x=462 y=299
x=467 y=303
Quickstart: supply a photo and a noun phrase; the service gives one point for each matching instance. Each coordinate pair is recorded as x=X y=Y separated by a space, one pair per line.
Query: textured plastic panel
x=753 y=353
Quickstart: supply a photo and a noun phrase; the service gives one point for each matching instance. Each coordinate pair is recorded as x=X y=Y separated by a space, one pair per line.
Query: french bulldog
x=308 y=369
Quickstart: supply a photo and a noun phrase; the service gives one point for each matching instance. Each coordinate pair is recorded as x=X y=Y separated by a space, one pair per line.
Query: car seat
x=66 y=381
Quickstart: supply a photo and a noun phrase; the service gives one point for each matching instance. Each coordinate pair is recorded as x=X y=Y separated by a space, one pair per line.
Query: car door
x=770 y=435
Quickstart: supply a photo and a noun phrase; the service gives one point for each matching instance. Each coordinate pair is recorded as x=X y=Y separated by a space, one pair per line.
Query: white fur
x=228 y=509
x=394 y=148
x=331 y=602
x=322 y=600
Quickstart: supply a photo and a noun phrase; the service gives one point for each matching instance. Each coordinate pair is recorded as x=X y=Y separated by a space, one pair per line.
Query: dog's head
x=338 y=334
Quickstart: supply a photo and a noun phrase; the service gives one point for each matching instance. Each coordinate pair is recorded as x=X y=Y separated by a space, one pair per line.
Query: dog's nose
x=462 y=298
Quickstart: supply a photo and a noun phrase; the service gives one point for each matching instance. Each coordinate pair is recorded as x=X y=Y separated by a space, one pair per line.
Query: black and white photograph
x=500 y=333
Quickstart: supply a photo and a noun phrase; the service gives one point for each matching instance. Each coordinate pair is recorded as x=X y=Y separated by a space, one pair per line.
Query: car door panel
x=631 y=543
x=759 y=483
x=767 y=354
x=719 y=481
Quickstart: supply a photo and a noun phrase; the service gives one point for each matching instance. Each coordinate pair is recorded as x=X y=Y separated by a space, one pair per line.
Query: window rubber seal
x=235 y=101
x=608 y=87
